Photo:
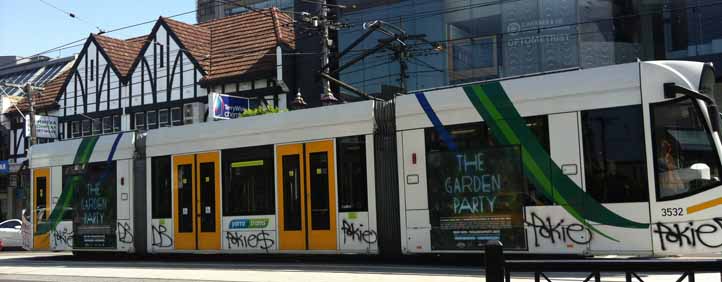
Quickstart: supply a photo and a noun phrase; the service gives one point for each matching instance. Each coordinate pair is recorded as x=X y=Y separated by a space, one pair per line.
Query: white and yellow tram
x=623 y=159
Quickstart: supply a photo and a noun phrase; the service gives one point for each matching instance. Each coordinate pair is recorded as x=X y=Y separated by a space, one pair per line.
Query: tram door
x=306 y=196
x=41 y=204
x=196 y=201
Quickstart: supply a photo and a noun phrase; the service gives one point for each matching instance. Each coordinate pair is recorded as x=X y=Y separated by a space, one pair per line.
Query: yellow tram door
x=41 y=204
x=306 y=196
x=197 y=200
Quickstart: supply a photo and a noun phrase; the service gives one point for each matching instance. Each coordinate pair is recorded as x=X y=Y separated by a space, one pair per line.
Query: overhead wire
x=72 y=15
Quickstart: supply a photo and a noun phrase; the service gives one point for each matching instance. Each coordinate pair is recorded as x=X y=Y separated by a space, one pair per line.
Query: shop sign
x=4 y=167
x=226 y=106
x=45 y=126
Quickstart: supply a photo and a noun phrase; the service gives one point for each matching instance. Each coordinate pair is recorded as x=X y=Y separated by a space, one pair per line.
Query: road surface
x=59 y=266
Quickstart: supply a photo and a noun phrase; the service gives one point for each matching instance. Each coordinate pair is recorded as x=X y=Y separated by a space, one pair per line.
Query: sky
x=28 y=27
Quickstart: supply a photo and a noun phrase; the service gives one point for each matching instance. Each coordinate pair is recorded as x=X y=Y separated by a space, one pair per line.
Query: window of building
x=163 y=118
x=152 y=118
x=107 y=125
x=161 y=194
x=686 y=158
x=75 y=129
x=116 y=123
x=248 y=181
x=176 y=116
x=614 y=158
x=92 y=70
x=97 y=127
x=352 y=187
x=140 y=121
x=86 y=127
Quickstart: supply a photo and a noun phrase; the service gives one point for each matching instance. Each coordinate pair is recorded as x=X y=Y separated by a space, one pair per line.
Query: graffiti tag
x=558 y=232
x=357 y=233
x=125 y=233
x=63 y=237
x=689 y=234
x=244 y=240
x=161 y=238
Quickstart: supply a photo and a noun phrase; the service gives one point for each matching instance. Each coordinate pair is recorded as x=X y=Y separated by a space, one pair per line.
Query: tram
x=621 y=159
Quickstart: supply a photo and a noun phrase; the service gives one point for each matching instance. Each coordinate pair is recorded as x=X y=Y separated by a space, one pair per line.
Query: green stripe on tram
x=82 y=156
x=509 y=128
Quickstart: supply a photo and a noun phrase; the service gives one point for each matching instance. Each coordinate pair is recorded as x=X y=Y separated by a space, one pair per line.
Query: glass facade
x=485 y=39
x=212 y=9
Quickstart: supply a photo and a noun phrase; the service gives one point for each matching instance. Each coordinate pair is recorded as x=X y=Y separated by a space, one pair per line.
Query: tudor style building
x=164 y=78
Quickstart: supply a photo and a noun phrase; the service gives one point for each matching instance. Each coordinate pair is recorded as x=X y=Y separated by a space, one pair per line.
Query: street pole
x=327 y=97
x=30 y=90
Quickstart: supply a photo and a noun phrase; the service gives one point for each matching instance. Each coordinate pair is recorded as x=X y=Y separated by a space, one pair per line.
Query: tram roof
x=278 y=128
x=64 y=152
x=552 y=92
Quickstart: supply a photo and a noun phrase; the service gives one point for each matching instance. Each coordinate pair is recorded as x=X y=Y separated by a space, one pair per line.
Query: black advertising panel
x=94 y=205
x=476 y=196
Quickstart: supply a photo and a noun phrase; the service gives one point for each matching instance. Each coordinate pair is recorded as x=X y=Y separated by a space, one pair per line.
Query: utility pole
x=29 y=90
x=323 y=25
x=326 y=97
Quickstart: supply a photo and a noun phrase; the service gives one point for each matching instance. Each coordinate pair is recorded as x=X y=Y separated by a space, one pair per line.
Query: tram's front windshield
x=686 y=158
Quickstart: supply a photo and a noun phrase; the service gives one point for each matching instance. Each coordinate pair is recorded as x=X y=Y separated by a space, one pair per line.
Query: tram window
x=248 y=177
x=352 y=187
x=686 y=158
x=161 y=187
x=476 y=136
x=41 y=184
x=140 y=121
x=292 y=192
x=614 y=158
x=152 y=120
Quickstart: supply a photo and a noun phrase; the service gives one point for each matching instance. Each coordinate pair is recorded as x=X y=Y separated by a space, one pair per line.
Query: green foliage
x=261 y=110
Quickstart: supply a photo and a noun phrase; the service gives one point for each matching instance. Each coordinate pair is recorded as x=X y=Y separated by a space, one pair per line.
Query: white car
x=10 y=233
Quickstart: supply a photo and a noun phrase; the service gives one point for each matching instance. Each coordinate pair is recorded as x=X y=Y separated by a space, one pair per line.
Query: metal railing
x=498 y=269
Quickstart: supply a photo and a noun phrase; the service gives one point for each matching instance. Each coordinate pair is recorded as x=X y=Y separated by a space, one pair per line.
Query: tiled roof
x=46 y=99
x=245 y=43
x=229 y=47
x=196 y=39
x=122 y=53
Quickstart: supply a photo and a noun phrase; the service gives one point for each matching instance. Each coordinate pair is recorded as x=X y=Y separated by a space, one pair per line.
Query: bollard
x=494 y=253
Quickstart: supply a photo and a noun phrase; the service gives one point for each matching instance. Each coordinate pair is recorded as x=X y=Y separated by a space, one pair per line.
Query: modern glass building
x=213 y=9
x=486 y=39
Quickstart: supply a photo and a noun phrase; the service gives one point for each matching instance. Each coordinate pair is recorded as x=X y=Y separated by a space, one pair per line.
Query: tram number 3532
x=672 y=212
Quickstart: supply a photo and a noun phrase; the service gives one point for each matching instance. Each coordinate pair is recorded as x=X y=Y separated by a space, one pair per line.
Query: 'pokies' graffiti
x=62 y=238
x=250 y=240
x=688 y=234
x=160 y=237
x=350 y=230
x=125 y=233
x=551 y=231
